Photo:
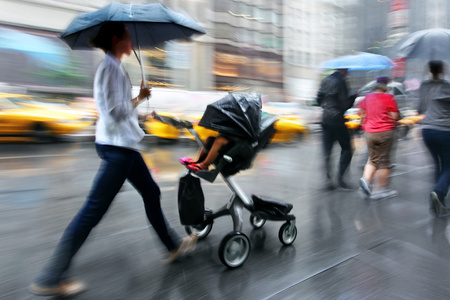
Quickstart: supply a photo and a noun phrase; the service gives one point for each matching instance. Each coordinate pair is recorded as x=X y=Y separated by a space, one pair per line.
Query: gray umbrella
x=149 y=25
x=428 y=44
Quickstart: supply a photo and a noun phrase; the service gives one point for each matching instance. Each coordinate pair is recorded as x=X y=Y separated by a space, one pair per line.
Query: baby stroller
x=240 y=115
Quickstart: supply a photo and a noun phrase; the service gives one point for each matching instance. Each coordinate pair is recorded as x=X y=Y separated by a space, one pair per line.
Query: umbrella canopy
x=40 y=48
x=235 y=114
x=362 y=61
x=428 y=44
x=395 y=88
x=149 y=24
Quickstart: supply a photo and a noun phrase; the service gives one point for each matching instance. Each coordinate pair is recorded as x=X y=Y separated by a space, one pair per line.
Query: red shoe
x=186 y=161
x=195 y=167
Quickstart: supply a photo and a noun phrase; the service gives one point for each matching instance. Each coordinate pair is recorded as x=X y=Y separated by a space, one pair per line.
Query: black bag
x=271 y=207
x=191 y=201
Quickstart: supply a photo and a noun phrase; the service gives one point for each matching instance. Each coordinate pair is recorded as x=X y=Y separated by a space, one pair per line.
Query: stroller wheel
x=257 y=222
x=234 y=249
x=201 y=230
x=287 y=233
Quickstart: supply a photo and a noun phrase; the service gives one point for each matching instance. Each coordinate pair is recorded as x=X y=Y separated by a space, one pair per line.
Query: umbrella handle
x=142 y=67
x=140 y=56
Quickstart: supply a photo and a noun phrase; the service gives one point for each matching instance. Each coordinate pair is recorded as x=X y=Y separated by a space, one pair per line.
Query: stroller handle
x=179 y=123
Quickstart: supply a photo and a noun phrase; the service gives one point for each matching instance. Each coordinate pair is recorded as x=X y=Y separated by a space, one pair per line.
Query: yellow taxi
x=353 y=119
x=408 y=118
x=202 y=132
x=167 y=131
x=288 y=128
x=160 y=129
x=23 y=120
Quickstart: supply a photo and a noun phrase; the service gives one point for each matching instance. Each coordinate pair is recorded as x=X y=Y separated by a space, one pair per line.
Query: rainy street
x=347 y=247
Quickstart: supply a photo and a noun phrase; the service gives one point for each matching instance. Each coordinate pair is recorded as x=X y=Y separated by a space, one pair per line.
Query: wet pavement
x=347 y=247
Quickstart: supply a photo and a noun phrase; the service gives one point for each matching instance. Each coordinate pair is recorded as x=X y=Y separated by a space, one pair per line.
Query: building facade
x=314 y=31
x=270 y=46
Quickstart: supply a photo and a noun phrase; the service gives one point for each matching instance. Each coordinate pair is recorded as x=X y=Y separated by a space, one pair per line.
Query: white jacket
x=117 y=123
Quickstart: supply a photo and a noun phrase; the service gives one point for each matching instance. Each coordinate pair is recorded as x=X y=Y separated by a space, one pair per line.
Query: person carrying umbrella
x=117 y=137
x=334 y=98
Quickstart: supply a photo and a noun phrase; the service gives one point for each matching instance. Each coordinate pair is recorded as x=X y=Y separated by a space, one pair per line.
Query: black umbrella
x=428 y=44
x=149 y=25
x=235 y=114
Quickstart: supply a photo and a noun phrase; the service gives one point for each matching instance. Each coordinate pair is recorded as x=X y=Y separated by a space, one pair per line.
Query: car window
x=18 y=100
x=5 y=103
x=397 y=91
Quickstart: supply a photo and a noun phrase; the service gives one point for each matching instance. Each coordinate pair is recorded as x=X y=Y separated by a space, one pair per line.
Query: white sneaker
x=384 y=194
x=65 y=288
x=365 y=186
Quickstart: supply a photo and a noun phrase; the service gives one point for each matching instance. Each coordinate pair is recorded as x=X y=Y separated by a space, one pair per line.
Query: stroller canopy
x=235 y=114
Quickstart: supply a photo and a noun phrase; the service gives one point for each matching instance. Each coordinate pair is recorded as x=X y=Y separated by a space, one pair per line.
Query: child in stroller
x=237 y=118
x=209 y=152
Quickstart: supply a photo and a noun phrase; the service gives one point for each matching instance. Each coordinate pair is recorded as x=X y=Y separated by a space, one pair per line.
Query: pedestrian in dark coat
x=333 y=97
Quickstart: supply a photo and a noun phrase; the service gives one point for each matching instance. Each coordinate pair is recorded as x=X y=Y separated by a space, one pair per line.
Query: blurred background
x=274 y=47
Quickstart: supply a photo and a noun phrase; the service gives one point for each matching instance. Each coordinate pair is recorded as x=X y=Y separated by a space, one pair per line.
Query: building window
x=224 y=31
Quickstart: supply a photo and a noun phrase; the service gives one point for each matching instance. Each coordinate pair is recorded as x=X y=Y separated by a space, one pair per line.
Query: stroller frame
x=235 y=247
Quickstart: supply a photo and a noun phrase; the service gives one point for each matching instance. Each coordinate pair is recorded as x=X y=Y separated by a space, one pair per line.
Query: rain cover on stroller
x=235 y=114
x=239 y=115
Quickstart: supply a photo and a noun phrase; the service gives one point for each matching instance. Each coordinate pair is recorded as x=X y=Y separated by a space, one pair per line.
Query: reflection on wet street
x=346 y=248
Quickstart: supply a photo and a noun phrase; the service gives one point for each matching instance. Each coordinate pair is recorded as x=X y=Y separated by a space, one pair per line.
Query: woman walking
x=116 y=140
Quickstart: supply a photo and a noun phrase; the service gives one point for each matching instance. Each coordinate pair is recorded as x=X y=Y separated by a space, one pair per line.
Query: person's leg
x=209 y=142
x=443 y=183
x=370 y=167
x=140 y=177
x=394 y=147
x=142 y=180
x=382 y=179
x=213 y=153
x=382 y=184
x=384 y=149
x=442 y=149
x=109 y=179
x=343 y=137
x=369 y=172
x=431 y=142
x=328 y=139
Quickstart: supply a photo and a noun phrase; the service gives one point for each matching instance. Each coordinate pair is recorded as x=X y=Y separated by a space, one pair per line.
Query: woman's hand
x=144 y=92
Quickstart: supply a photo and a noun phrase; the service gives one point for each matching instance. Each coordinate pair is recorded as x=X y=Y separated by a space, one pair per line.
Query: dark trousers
x=118 y=164
x=438 y=143
x=330 y=134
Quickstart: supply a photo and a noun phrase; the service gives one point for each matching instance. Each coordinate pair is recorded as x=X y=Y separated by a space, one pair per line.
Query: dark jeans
x=330 y=134
x=118 y=164
x=438 y=142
